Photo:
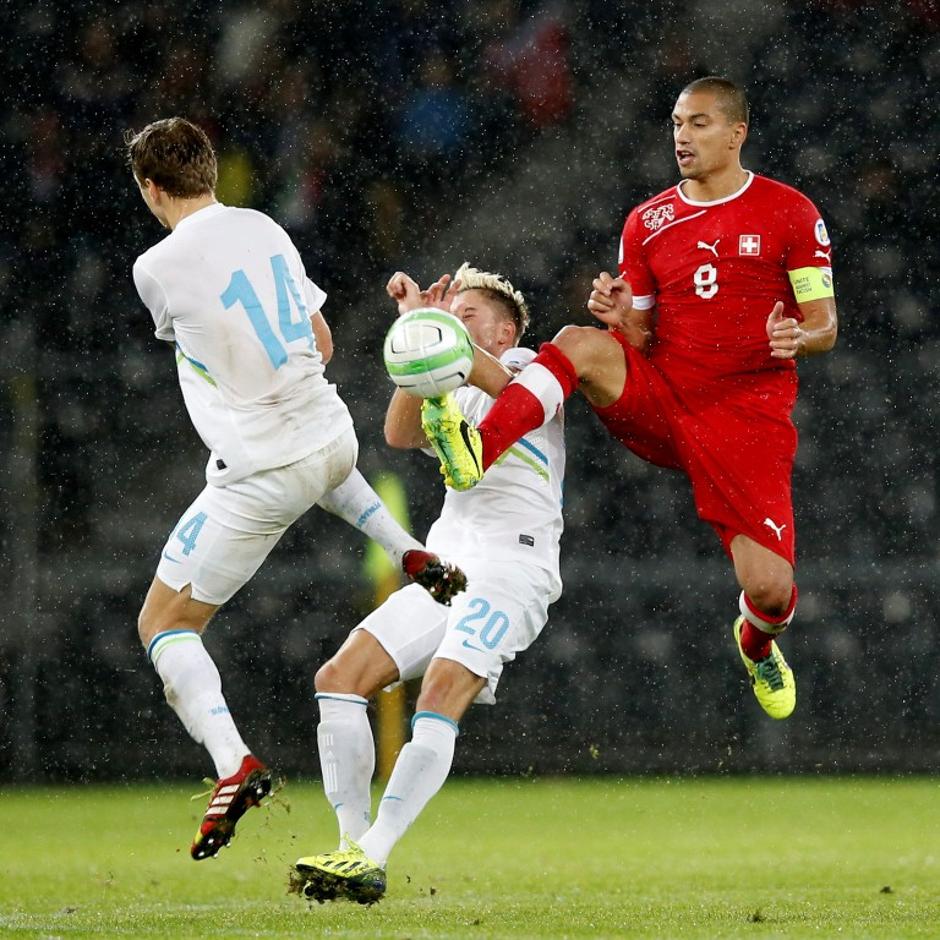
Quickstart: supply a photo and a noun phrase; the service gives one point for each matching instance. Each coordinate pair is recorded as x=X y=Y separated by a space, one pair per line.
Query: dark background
x=515 y=135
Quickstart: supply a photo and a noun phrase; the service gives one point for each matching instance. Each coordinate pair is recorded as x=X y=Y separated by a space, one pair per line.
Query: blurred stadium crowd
x=416 y=135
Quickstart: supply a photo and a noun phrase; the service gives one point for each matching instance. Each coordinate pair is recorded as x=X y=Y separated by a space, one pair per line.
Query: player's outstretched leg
x=346 y=873
x=230 y=799
x=457 y=444
x=356 y=502
x=441 y=580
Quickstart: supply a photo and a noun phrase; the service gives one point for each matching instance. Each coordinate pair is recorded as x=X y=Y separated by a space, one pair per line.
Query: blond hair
x=499 y=289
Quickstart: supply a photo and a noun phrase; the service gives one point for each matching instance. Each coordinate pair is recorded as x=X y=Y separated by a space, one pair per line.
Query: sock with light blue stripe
x=193 y=689
x=347 y=760
x=355 y=502
x=420 y=771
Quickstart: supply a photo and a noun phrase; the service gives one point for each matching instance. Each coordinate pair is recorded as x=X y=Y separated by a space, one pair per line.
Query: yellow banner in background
x=385 y=579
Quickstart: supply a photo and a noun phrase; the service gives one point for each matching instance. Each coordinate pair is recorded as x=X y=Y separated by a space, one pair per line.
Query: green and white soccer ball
x=428 y=352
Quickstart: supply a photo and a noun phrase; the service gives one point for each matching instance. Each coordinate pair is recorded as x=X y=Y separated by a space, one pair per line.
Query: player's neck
x=179 y=209
x=717 y=185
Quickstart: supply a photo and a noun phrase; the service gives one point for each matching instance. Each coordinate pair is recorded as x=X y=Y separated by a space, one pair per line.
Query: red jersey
x=714 y=271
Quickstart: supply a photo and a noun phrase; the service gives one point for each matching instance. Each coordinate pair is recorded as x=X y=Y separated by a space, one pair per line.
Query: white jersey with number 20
x=228 y=288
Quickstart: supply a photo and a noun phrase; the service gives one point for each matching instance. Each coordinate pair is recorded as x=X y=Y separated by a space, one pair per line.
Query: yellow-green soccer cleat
x=346 y=873
x=771 y=678
x=456 y=443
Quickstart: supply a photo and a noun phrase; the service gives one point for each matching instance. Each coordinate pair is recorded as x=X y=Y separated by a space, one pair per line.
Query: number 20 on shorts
x=493 y=630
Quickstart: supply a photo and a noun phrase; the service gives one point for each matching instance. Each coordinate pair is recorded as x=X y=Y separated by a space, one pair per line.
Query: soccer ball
x=428 y=353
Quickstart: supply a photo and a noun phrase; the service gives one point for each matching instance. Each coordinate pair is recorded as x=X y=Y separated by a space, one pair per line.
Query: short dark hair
x=176 y=155
x=731 y=97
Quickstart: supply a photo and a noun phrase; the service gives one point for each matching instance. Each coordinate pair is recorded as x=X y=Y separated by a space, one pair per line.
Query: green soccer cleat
x=346 y=873
x=456 y=443
x=771 y=678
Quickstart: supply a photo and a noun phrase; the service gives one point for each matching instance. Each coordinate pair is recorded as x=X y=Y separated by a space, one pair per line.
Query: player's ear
x=152 y=190
x=508 y=331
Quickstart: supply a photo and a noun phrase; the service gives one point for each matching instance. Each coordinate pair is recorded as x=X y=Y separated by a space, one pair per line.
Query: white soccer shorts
x=228 y=531
x=500 y=614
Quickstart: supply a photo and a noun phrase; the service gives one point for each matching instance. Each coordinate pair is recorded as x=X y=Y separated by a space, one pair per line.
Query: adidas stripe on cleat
x=230 y=799
x=771 y=678
x=457 y=444
x=440 y=579
x=346 y=873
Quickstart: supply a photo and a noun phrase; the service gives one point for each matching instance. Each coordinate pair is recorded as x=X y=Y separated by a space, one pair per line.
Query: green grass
x=756 y=858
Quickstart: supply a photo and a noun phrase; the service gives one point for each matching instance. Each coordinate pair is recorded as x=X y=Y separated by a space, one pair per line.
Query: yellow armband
x=811 y=283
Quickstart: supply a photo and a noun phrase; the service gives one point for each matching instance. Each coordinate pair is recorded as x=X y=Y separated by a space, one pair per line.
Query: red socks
x=528 y=401
x=756 y=640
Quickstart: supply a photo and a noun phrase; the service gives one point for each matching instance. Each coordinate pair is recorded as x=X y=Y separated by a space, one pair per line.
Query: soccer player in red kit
x=724 y=280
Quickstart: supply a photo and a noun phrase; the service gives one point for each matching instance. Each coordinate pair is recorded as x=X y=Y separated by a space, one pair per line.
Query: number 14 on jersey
x=240 y=291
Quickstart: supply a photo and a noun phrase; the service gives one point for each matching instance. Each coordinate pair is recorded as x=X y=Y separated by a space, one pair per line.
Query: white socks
x=347 y=760
x=193 y=688
x=355 y=502
x=420 y=771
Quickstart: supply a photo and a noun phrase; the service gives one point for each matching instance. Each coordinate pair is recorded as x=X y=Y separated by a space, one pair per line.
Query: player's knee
x=147 y=628
x=579 y=344
x=331 y=677
x=771 y=595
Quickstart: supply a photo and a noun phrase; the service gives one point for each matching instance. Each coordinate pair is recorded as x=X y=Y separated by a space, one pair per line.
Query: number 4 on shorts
x=189 y=531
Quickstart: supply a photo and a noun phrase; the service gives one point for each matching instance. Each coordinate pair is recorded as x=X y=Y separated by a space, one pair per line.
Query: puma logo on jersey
x=712 y=248
x=822 y=254
x=778 y=529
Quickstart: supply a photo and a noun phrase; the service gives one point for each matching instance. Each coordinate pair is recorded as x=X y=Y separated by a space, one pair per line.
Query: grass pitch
x=704 y=858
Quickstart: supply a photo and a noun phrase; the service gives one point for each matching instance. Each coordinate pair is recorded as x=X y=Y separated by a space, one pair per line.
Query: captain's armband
x=811 y=283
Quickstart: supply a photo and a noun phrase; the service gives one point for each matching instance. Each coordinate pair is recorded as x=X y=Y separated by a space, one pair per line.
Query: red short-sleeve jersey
x=714 y=271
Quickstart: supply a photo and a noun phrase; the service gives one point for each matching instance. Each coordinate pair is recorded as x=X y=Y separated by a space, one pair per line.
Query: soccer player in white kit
x=505 y=535
x=228 y=289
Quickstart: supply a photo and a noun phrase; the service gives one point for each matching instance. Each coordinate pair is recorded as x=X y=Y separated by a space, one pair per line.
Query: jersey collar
x=715 y=202
x=206 y=212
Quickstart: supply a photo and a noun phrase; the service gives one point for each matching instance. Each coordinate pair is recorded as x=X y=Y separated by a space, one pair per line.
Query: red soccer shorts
x=733 y=438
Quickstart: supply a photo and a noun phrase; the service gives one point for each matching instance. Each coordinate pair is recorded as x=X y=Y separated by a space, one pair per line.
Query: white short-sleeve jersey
x=514 y=512
x=228 y=288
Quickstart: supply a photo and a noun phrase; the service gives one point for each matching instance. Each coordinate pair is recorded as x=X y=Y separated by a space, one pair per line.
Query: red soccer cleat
x=441 y=580
x=230 y=799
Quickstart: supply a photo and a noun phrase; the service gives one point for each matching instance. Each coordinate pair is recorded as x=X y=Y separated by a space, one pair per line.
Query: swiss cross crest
x=658 y=216
x=749 y=245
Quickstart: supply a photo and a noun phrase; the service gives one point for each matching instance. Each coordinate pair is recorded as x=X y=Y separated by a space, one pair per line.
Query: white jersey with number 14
x=228 y=288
